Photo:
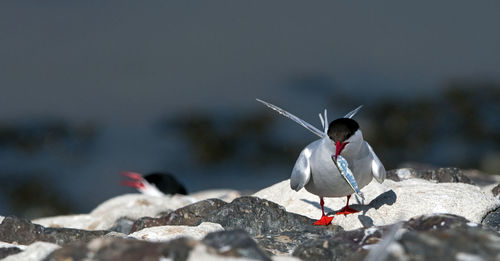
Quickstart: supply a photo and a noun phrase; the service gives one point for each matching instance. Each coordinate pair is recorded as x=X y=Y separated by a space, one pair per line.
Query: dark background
x=92 y=88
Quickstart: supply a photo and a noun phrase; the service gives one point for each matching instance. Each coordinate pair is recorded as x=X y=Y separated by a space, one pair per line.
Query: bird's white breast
x=326 y=180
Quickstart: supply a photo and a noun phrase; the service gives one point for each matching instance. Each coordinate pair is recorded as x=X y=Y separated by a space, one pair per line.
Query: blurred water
x=92 y=88
x=245 y=150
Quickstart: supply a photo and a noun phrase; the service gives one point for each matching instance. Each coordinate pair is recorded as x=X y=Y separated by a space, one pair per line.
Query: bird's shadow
x=386 y=198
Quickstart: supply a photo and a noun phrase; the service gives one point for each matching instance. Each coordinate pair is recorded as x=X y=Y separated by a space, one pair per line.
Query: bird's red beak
x=339 y=146
x=136 y=181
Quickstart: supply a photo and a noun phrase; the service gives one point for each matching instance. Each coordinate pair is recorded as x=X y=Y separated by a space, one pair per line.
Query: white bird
x=339 y=164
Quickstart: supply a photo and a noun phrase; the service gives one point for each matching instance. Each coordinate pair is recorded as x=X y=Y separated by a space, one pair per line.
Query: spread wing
x=301 y=172
x=294 y=118
x=378 y=169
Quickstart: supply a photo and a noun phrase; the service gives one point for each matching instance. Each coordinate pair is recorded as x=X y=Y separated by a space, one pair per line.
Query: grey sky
x=132 y=61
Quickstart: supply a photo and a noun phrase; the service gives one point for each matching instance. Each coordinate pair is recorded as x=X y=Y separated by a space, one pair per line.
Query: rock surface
x=265 y=221
x=438 y=175
x=275 y=230
x=33 y=252
x=124 y=249
x=434 y=237
x=190 y=215
x=177 y=249
x=492 y=219
x=496 y=190
x=234 y=243
x=226 y=195
x=389 y=202
x=430 y=237
x=480 y=178
x=398 y=221
x=22 y=231
x=123 y=225
x=261 y=217
x=166 y=233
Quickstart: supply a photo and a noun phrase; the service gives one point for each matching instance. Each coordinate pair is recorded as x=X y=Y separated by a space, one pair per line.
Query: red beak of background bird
x=339 y=146
x=135 y=182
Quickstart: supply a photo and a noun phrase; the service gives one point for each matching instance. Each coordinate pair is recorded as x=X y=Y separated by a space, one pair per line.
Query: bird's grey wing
x=301 y=172
x=294 y=118
x=353 y=112
x=378 y=169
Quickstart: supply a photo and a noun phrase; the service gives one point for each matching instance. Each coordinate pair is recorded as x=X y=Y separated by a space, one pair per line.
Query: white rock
x=83 y=221
x=472 y=224
x=133 y=206
x=34 y=252
x=139 y=205
x=396 y=201
x=227 y=195
x=403 y=173
x=7 y=245
x=461 y=256
x=488 y=189
x=1 y=219
x=166 y=233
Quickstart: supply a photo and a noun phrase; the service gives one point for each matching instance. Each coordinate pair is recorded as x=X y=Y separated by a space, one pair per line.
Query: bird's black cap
x=341 y=129
x=166 y=183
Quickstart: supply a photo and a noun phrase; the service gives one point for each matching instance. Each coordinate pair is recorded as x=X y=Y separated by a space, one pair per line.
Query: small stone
x=236 y=243
x=438 y=221
x=123 y=225
x=452 y=175
x=404 y=174
x=7 y=251
x=496 y=190
x=492 y=219
x=166 y=233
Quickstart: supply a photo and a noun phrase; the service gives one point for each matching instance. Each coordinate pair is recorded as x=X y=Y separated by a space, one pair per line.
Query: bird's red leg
x=346 y=210
x=324 y=220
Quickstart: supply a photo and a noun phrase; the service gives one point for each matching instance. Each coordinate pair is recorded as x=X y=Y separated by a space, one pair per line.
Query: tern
x=155 y=184
x=338 y=164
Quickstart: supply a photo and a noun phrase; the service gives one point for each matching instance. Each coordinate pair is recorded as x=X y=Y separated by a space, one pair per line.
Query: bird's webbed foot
x=323 y=221
x=346 y=211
